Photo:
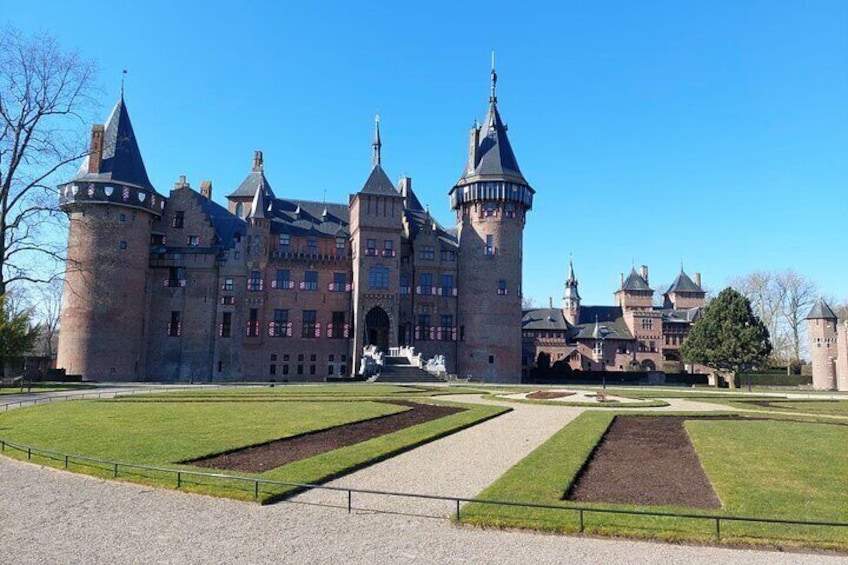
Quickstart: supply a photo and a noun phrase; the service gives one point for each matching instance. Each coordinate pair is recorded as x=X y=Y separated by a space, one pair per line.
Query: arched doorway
x=377 y=328
x=648 y=365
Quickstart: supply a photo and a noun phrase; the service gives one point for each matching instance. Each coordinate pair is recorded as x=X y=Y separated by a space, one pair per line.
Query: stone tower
x=376 y=224
x=571 y=298
x=111 y=207
x=491 y=201
x=821 y=329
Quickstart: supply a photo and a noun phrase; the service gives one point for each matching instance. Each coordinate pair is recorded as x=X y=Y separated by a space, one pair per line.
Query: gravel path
x=460 y=465
x=49 y=516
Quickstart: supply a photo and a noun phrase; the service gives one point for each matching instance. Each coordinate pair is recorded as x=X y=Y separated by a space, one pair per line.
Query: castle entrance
x=377 y=327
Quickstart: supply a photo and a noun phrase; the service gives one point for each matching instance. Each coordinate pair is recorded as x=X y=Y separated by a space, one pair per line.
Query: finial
x=492 y=98
x=123 y=76
x=377 y=144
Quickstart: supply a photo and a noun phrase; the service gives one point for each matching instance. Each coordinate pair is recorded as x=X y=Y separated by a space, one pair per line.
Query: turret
x=571 y=297
x=822 y=332
x=634 y=292
x=684 y=293
x=491 y=200
x=111 y=206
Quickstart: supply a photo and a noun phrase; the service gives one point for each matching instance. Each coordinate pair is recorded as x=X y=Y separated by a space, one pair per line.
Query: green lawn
x=162 y=433
x=817 y=407
x=771 y=469
x=43 y=387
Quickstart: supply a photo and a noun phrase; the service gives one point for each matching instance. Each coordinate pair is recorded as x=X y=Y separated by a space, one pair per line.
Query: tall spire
x=493 y=99
x=377 y=145
x=571 y=278
x=123 y=77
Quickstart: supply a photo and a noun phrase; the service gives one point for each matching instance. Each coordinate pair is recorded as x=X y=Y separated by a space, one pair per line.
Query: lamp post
x=600 y=334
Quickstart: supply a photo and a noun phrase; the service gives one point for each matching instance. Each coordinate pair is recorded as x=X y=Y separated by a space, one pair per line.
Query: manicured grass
x=769 y=469
x=160 y=434
x=818 y=407
x=43 y=387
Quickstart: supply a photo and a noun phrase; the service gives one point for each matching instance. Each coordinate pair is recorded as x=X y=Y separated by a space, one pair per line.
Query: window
x=285 y=239
x=280 y=327
x=157 y=239
x=193 y=240
x=428 y=252
x=490 y=246
x=446 y=330
x=176 y=277
x=254 y=283
x=122 y=217
x=491 y=359
x=179 y=219
x=338 y=329
x=253 y=323
x=312 y=245
x=378 y=277
x=371 y=247
x=310 y=280
x=422 y=330
x=228 y=284
x=339 y=283
x=300 y=369
x=447 y=288
x=226 y=329
x=282 y=280
x=122 y=244
x=446 y=255
x=425 y=284
x=341 y=243
x=240 y=209
x=310 y=324
x=388 y=248
x=404 y=285
x=647 y=323
x=502 y=287
x=510 y=210
x=174 y=326
x=229 y=300
x=489 y=209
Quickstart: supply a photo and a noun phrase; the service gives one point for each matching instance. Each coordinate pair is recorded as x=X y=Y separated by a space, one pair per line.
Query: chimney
x=96 y=154
x=473 y=144
x=181 y=183
x=620 y=280
x=405 y=186
x=645 y=272
x=551 y=302
x=698 y=280
x=206 y=189
x=258 y=165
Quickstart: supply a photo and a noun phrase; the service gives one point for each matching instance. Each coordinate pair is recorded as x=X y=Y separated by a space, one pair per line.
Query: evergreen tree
x=729 y=337
x=17 y=337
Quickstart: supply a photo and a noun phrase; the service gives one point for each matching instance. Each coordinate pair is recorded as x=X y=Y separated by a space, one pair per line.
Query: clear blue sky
x=712 y=133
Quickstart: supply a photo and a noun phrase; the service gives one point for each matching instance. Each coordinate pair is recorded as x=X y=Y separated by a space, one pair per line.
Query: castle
x=632 y=335
x=182 y=288
x=828 y=348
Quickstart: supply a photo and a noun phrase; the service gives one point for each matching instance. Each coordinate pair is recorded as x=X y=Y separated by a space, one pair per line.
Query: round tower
x=111 y=206
x=491 y=201
x=821 y=330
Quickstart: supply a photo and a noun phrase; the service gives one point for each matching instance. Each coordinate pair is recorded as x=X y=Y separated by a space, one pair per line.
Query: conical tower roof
x=495 y=159
x=635 y=281
x=121 y=158
x=821 y=311
x=683 y=284
x=254 y=180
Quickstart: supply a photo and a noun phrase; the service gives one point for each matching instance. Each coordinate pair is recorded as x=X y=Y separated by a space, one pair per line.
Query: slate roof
x=683 y=284
x=686 y=316
x=821 y=311
x=544 y=319
x=249 y=186
x=225 y=224
x=121 y=160
x=378 y=183
x=609 y=317
x=302 y=217
x=634 y=281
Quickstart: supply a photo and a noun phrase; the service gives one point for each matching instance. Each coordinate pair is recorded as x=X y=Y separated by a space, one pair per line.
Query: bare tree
x=43 y=94
x=798 y=293
x=46 y=311
x=767 y=302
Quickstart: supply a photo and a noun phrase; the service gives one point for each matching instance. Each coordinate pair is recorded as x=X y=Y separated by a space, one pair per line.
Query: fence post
x=349 y=499
x=66 y=461
x=256 y=489
x=457 y=510
x=29 y=453
x=179 y=479
x=581 y=520
x=718 y=528
x=116 y=470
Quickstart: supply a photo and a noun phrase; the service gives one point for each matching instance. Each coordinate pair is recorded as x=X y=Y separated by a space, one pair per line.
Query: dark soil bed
x=548 y=395
x=266 y=456
x=645 y=461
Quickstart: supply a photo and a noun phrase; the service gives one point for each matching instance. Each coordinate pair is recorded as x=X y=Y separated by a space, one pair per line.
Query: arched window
x=378 y=277
x=240 y=209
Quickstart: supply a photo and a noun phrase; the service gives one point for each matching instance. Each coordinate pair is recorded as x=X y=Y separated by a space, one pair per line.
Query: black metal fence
x=181 y=477
x=57 y=395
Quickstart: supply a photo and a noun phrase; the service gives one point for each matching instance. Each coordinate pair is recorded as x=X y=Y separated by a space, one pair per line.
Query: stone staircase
x=400 y=370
